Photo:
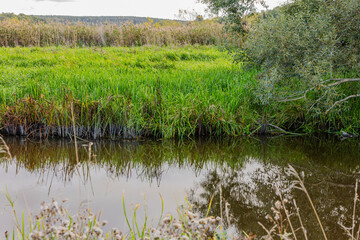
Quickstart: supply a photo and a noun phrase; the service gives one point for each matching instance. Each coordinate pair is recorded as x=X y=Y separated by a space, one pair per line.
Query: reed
x=14 y=32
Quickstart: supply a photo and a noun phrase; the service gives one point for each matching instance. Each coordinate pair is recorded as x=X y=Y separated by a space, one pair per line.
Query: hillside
x=91 y=20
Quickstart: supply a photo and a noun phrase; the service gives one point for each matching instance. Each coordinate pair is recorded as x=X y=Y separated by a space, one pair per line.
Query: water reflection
x=246 y=170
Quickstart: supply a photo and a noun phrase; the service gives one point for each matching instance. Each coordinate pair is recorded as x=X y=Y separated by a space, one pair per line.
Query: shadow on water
x=246 y=170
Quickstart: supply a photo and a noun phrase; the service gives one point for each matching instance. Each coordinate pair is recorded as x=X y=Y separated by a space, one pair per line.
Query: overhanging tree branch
x=342 y=100
x=298 y=98
x=338 y=81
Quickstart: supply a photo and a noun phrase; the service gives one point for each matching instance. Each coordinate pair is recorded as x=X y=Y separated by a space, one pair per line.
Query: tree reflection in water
x=246 y=170
x=251 y=194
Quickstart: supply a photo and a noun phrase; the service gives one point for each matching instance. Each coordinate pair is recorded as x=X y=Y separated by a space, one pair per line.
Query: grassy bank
x=144 y=92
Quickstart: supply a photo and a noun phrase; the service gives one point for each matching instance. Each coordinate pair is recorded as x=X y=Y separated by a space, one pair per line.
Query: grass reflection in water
x=246 y=170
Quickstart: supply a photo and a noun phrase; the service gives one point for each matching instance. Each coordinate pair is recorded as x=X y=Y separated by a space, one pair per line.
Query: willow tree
x=309 y=51
x=234 y=12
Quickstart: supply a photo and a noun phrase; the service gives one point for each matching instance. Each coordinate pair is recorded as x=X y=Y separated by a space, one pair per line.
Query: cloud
x=60 y=1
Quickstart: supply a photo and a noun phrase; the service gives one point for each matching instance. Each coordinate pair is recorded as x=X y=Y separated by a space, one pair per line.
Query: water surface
x=246 y=170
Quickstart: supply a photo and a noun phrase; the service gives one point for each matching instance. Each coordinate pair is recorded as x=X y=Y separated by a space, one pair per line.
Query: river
x=245 y=169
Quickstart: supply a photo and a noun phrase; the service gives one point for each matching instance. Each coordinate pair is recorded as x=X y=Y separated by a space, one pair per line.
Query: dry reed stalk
x=302 y=187
x=23 y=33
x=354 y=208
x=286 y=211
x=74 y=132
x=269 y=232
x=221 y=213
x=300 y=220
x=227 y=213
x=6 y=148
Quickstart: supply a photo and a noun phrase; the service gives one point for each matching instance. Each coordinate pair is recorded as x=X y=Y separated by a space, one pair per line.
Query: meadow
x=146 y=91
x=128 y=92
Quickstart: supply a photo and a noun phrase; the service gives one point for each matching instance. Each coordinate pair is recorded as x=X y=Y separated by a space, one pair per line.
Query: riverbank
x=162 y=92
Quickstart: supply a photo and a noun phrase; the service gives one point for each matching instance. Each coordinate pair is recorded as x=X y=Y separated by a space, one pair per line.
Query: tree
x=233 y=12
x=199 y=18
x=188 y=15
x=309 y=50
x=309 y=56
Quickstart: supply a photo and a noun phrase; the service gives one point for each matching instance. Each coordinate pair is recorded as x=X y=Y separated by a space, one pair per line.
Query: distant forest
x=91 y=20
x=21 y=16
x=118 y=20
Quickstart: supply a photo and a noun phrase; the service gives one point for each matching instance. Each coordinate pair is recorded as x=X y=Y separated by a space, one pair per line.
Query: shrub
x=302 y=43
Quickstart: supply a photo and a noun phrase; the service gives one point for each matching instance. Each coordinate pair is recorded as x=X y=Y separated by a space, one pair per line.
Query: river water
x=245 y=169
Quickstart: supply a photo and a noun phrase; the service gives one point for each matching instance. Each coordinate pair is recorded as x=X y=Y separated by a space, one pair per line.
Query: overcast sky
x=142 y=8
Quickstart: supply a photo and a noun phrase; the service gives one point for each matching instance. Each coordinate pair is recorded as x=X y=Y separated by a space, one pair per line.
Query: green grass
x=148 y=91
x=142 y=91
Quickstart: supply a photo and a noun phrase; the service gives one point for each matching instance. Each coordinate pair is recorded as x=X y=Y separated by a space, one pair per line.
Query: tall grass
x=147 y=91
x=15 y=32
x=123 y=92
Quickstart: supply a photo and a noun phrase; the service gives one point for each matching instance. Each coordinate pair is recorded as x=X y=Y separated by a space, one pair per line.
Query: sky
x=143 y=8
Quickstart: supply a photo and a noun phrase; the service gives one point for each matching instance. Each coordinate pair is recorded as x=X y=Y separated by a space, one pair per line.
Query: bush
x=304 y=42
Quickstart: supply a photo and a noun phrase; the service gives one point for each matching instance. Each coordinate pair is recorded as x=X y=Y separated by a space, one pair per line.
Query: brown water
x=245 y=169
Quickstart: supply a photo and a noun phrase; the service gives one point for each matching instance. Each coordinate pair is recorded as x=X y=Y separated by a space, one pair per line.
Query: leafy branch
x=327 y=84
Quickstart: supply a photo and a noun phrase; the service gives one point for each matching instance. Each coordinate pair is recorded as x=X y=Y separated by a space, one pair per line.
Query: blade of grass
x=126 y=218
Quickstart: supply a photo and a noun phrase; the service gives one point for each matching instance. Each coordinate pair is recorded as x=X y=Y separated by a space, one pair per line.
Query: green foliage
x=233 y=12
x=152 y=91
x=303 y=39
x=34 y=19
x=143 y=91
x=88 y=20
x=299 y=46
x=302 y=44
x=97 y=20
